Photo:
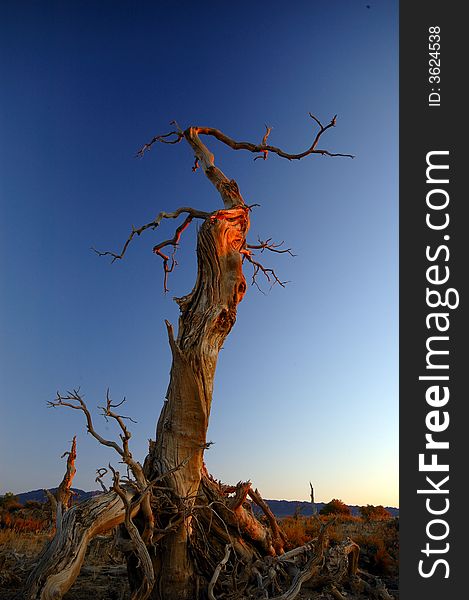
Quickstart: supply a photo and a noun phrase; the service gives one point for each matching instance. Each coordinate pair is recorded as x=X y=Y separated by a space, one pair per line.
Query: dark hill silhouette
x=40 y=496
x=280 y=508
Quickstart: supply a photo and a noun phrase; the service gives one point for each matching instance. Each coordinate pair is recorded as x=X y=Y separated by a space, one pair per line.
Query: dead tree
x=186 y=535
x=60 y=500
x=313 y=503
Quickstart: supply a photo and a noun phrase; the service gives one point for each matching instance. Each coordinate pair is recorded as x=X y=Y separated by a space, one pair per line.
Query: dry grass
x=24 y=543
x=103 y=576
x=378 y=540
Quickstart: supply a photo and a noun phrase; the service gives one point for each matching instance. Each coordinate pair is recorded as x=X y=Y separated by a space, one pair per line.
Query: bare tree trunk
x=207 y=316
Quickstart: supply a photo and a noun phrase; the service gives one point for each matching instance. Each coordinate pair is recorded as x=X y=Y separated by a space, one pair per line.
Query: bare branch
x=270 y=274
x=169 y=262
x=269 y=245
x=75 y=400
x=228 y=188
x=311 y=568
x=278 y=537
x=174 y=137
x=265 y=148
x=264 y=142
x=174 y=241
x=195 y=214
x=240 y=494
x=100 y=473
x=221 y=565
x=146 y=586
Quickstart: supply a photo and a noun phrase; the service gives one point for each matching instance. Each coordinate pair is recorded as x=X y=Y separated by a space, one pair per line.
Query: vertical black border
x=425 y=128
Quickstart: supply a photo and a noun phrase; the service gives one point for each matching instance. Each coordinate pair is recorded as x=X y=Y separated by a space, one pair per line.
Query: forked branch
x=139 y=546
x=175 y=136
x=270 y=274
x=169 y=262
x=75 y=400
x=271 y=246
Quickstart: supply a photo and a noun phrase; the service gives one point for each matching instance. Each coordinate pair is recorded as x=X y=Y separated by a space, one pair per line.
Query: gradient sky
x=306 y=386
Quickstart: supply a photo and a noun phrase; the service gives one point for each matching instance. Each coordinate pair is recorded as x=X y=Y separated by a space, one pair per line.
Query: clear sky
x=307 y=382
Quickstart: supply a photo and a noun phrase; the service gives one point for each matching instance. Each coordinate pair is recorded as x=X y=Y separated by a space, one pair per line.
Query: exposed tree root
x=234 y=552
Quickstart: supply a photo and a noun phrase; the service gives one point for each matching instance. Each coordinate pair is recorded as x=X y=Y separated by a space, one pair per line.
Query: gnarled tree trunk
x=207 y=316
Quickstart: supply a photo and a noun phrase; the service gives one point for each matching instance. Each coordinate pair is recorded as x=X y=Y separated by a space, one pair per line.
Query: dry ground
x=103 y=576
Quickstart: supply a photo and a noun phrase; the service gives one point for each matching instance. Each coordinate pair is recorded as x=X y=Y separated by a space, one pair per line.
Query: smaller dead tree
x=60 y=500
x=62 y=560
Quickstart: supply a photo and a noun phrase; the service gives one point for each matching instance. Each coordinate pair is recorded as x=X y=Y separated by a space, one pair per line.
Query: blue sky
x=306 y=386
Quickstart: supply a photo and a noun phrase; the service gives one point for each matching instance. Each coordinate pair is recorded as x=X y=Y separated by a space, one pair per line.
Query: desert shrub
x=379 y=546
x=378 y=540
x=299 y=531
x=21 y=522
x=375 y=555
x=335 y=507
x=33 y=504
x=5 y=519
x=24 y=525
x=8 y=499
x=374 y=513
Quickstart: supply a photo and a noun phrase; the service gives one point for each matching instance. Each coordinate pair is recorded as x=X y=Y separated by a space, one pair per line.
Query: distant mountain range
x=280 y=508
x=287 y=508
x=40 y=496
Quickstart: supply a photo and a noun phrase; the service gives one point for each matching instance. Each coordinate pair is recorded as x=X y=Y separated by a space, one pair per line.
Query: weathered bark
x=64 y=493
x=53 y=508
x=60 y=563
x=207 y=316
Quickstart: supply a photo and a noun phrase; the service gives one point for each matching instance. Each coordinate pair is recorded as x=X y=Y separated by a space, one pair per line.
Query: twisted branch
x=217 y=572
x=270 y=274
x=174 y=137
x=196 y=214
x=75 y=401
x=148 y=580
x=192 y=213
x=269 y=245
